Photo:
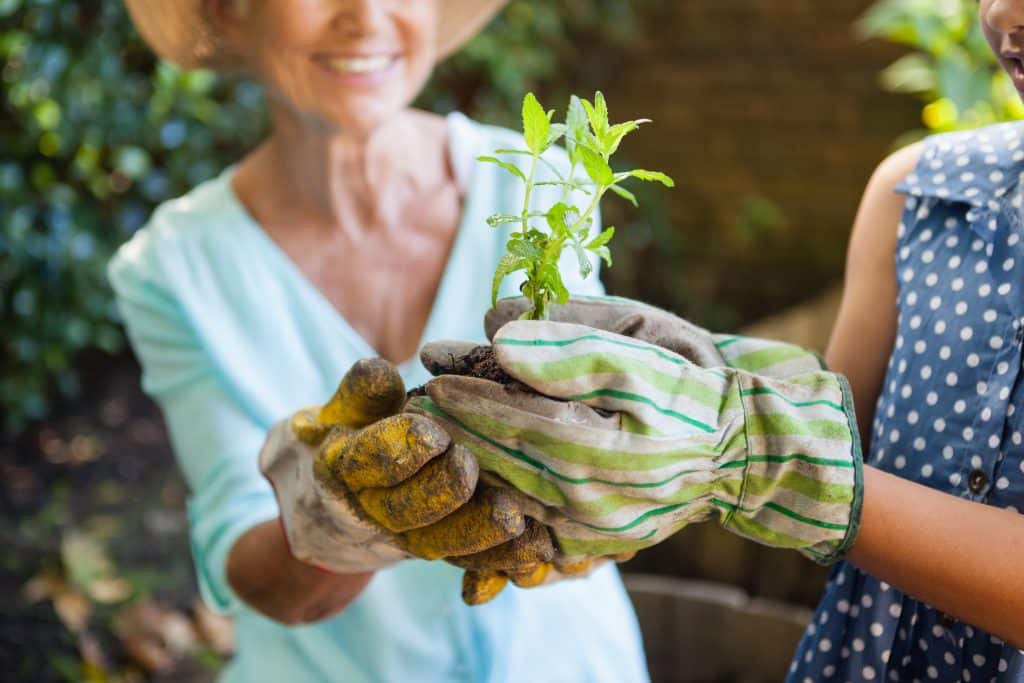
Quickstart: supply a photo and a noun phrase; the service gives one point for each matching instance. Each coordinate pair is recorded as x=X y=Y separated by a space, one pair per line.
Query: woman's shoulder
x=972 y=167
x=176 y=228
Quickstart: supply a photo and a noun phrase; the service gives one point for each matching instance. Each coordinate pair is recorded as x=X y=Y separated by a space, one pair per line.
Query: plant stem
x=529 y=189
x=598 y=193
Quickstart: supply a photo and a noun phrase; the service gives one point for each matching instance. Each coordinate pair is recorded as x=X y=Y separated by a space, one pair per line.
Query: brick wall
x=770 y=98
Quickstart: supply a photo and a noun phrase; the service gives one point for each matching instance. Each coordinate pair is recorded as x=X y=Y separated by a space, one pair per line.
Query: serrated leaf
x=605 y=255
x=586 y=267
x=508 y=264
x=656 y=176
x=602 y=107
x=560 y=216
x=556 y=132
x=619 y=131
x=574 y=186
x=511 y=168
x=602 y=239
x=576 y=125
x=500 y=219
x=596 y=123
x=625 y=194
x=536 y=124
x=523 y=249
x=597 y=168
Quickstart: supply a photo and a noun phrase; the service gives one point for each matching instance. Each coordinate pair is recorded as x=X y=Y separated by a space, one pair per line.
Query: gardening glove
x=361 y=486
x=640 y=321
x=636 y=441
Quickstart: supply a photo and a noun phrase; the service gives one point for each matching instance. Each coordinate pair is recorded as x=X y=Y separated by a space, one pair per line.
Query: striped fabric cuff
x=802 y=481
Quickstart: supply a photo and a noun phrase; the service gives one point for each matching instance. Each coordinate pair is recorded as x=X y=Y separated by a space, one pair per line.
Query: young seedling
x=590 y=141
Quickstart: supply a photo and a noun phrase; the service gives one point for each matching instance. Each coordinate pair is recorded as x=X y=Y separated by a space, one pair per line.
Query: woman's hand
x=361 y=487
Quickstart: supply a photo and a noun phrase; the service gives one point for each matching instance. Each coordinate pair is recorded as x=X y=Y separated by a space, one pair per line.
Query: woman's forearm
x=263 y=572
x=963 y=558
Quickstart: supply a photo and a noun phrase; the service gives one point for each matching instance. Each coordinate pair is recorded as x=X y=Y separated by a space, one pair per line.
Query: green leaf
x=602 y=107
x=601 y=239
x=559 y=216
x=536 y=124
x=605 y=255
x=597 y=168
x=508 y=264
x=511 y=168
x=625 y=194
x=574 y=186
x=597 y=125
x=499 y=219
x=576 y=126
x=583 y=229
x=524 y=249
x=586 y=267
x=543 y=160
x=620 y=130
x=556 y=132
x=656 y=176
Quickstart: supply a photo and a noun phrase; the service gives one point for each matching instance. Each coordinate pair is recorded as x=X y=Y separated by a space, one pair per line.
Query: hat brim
x=179 y=30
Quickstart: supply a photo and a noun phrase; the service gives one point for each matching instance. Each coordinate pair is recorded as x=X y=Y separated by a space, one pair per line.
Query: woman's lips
x=360 y=69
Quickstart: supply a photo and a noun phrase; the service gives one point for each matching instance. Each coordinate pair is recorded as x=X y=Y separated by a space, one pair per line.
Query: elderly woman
x=356 y=229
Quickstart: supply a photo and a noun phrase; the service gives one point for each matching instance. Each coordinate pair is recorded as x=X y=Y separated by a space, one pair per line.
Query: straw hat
x=179 y=30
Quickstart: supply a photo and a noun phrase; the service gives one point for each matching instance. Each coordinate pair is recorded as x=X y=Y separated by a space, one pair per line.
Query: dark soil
x=480 y=362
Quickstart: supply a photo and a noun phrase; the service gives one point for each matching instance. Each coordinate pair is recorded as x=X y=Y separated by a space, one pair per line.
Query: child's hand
x=636 y=442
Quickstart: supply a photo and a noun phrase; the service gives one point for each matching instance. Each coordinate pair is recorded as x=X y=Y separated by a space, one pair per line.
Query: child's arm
x=863 y=335
x=961 y=557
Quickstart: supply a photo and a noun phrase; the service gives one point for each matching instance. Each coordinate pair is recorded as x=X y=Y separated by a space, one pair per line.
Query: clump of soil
x=480 y=362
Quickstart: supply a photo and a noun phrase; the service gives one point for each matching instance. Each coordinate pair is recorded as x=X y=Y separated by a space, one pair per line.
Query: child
x=948 y=411
x=929 y=336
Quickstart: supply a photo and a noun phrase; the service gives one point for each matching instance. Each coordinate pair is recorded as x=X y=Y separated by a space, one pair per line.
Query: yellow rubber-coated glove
x=362 y=486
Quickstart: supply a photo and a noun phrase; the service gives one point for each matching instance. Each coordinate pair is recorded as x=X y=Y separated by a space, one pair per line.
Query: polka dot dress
x=951 y=412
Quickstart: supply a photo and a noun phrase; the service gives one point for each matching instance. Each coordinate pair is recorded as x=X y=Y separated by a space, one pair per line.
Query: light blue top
x=232 y=337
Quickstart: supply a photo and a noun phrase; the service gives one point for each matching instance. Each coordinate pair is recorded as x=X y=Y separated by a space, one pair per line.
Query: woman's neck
x=340 y=180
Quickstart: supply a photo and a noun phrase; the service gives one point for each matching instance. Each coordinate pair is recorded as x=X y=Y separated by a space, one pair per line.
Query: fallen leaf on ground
x=154 y=636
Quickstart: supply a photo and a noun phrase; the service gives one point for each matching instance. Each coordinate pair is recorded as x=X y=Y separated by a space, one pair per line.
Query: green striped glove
x=641 y=321
x=652 y=442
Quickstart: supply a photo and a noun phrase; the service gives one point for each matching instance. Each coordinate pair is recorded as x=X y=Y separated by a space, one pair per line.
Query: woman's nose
x=1004 y=16
x=359 y=17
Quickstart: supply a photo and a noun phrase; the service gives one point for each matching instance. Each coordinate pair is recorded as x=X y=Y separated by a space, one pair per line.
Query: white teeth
x=359 y=65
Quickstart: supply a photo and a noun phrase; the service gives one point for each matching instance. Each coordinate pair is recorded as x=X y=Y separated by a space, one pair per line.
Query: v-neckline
x=456 y=126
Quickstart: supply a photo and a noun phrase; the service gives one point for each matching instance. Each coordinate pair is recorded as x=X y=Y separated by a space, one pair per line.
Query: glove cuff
x=802 y=483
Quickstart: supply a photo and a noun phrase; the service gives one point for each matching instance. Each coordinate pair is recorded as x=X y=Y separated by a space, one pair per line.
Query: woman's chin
x=362 y=123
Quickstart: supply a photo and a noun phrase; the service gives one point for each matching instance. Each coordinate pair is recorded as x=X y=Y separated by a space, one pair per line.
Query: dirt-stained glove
x=641 y=441
x=361 y=486
x=766 y=357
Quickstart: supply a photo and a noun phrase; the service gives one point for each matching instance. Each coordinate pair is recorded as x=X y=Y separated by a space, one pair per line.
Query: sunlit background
x=770 y=116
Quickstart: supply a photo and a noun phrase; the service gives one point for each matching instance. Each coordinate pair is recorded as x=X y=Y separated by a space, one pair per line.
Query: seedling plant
x=590 y=141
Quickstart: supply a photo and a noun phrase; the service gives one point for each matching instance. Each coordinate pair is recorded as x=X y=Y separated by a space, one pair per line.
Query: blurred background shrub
x=950 y=68
x=94 y=133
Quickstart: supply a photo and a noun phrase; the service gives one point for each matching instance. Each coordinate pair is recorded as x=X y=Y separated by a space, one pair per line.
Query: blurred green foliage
x=95 y=132
x=951 y=67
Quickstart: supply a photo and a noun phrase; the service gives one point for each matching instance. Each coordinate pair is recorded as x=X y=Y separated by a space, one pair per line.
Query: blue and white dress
x=951 y=411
